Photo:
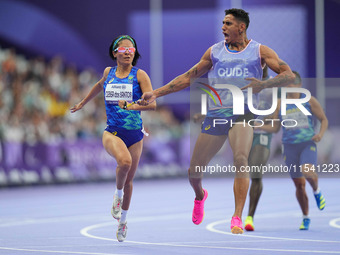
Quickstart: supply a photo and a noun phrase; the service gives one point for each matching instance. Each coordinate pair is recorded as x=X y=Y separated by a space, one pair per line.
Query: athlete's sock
x=305 y=216
x=123 y=216
x=317 y=191
x=119 y=193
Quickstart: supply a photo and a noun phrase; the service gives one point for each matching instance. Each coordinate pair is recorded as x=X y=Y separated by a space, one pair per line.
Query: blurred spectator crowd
x=35 y=97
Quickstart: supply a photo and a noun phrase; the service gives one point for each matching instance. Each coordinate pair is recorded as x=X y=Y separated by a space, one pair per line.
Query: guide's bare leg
x=205 y=149
x=258 y=156
x=240 y=139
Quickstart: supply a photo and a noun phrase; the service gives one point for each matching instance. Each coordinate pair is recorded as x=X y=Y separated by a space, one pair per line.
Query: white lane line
x=334 y=223
x=62 y=252
x=211 y=227
x=85 y=232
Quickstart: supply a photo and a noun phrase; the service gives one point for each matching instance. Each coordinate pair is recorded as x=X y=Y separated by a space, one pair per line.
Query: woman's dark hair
x=239 y=14
x=115 y=43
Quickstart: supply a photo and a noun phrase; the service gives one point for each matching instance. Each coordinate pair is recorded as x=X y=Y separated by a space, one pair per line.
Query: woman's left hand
x=122 y=103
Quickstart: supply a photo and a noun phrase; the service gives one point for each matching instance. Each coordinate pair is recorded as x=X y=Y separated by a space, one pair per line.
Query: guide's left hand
x=255 y=84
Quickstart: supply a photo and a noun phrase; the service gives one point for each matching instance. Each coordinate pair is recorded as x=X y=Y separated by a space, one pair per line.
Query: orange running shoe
x=236 y=225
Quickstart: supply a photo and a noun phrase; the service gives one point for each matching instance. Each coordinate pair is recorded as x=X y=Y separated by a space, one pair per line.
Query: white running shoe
x=116 y=209
x=121 y=232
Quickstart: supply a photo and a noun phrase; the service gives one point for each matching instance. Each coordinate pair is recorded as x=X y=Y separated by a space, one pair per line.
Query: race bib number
x=264 y=140
x=116 y=92
x=300 y=118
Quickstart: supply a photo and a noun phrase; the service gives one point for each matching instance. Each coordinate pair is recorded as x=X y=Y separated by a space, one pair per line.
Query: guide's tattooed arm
x=272 y=60
x=179 y=83
x=279 y=81
x=184 y=80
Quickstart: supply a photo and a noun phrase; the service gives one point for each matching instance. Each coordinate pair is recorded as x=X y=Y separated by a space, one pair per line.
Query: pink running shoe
x=198 y=212
x=236 y=225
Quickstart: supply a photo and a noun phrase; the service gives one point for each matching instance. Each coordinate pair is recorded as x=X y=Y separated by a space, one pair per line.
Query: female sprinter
x=123 y=136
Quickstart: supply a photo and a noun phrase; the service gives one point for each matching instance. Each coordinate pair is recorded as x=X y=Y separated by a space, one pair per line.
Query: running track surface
x=76 y=219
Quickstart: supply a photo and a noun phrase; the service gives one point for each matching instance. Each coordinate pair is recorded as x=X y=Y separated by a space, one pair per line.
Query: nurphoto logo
x=238 y=104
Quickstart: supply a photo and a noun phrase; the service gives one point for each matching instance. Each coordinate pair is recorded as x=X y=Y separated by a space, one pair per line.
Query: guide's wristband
x=125 y=105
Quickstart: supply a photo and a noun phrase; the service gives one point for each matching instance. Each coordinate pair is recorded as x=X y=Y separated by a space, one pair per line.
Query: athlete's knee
x=240 y=159
x=256 y=181
x=124 y=163
x=308 y=171
x=197 y=162
x=300 y=183
x=197 y=168
x=195 y=172
x=128 y=185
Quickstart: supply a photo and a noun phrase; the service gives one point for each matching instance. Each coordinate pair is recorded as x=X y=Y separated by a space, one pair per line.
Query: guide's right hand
x=147 y=98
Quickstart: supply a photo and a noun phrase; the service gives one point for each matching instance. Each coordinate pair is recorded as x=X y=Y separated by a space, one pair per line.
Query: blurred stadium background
x=52 y=52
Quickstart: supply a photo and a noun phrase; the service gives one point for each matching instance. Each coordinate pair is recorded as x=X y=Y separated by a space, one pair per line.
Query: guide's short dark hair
x=239 y=14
